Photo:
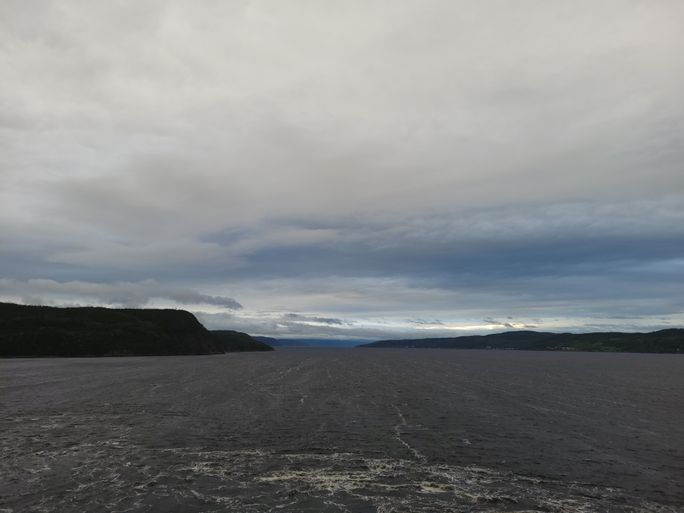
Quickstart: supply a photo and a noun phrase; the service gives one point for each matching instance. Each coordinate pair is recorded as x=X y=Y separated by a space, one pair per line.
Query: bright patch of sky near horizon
x=347 y=169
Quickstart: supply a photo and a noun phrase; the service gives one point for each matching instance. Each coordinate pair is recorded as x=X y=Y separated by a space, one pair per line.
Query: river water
x=344 y=430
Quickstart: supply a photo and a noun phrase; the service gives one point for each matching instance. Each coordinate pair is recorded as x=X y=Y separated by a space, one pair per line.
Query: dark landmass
x=663 y=341
x=308 y=342
x=237 y=341
x=90 y=331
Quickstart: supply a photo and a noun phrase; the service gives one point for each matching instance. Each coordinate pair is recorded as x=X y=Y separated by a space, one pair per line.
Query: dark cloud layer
x=362 y=169
x=127 y=294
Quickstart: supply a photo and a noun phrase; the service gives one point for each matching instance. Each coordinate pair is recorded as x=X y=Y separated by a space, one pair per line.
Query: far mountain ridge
x=670 y=340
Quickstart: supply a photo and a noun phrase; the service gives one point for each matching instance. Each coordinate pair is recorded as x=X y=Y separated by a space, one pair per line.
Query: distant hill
x=237 y=341
x=663 y=341
x=273 y=342
x=91 y=331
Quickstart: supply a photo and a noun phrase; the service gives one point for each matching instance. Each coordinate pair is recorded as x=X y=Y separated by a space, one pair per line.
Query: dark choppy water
x=356 y=430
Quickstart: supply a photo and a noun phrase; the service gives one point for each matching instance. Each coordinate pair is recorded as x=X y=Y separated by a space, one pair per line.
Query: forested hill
x=90 y=331
x=663 y=341
x=237 y=341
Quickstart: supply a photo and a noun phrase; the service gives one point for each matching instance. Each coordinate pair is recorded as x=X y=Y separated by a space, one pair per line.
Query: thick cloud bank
x=351 y=169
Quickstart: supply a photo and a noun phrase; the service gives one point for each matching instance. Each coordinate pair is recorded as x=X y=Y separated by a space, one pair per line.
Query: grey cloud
x=508 y=324
x=644 y=237
x=121 y=293
x=633 y=241
x=265 y=325
x=427 y=322
x=188 y=297
x=348 y=160
x=315 y=319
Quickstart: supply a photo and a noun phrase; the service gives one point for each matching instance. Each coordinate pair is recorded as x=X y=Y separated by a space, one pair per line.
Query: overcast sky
x=362 y=169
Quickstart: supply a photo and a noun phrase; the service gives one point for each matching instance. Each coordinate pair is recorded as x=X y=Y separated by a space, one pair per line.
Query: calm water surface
x=344 y=430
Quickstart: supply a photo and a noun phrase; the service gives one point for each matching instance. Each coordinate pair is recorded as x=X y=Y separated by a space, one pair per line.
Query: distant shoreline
x=668 y=341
